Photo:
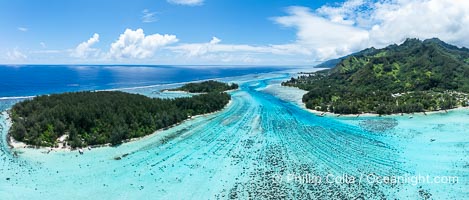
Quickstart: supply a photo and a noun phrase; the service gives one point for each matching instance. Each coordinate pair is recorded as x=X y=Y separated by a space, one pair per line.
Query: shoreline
x=193 y=93
x=13 y=144
x=336 y=115
x=425 y=113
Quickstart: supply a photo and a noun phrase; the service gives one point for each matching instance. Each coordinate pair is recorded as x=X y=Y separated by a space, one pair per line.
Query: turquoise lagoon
x=263 y=145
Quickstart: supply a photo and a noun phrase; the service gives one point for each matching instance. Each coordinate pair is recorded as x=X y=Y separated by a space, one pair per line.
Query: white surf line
x=19 y=97
x=148 y=86
x=184 y=82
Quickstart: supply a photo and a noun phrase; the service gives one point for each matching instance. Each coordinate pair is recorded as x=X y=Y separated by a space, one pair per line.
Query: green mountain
x=333 y=62
x=415 y=76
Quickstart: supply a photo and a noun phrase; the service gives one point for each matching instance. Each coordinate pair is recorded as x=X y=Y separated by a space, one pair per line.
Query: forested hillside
x=415 y=76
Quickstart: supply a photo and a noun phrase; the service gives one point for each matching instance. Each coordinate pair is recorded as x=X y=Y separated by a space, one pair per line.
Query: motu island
x=93 y=118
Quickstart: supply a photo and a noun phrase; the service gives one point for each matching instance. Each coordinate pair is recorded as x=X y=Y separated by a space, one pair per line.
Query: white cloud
x=85 y=50
x=214 y=46
x=215 y=40
x=214 y=51
x=16 y=55
x=321 y=36
x=134 y=44
x=22 y=29
x=345 y=13
x=43 y=45
x=445 y=19
x=187 y=2
x=196 y=49
x=333 y=31
x=148 y=17
x=51 y=51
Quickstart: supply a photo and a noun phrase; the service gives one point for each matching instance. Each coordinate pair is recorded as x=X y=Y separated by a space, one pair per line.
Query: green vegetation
x=93 y=118
x=415 y=76
x=206 y=86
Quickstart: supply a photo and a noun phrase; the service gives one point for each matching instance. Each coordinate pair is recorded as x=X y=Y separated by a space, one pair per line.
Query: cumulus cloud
x=445 y=19
x=346 y=13
x=333 y=31
x=215 y=40
x=134 y=44
x=148 y=17
x=50 y=51
x=84 y=49
x=197 y=49
x=215 y=48
x=323 y=37
x=16 y=55
x=187 y=2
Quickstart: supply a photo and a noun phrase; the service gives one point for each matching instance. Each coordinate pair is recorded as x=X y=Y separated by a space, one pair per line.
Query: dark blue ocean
x=30 y=80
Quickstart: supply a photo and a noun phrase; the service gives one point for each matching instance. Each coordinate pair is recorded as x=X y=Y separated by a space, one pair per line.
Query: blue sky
x=254 y=32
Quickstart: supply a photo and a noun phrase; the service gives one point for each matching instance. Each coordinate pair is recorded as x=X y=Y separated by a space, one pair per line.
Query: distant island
x=416 y=76
x=206 y=86
x=95 y=118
